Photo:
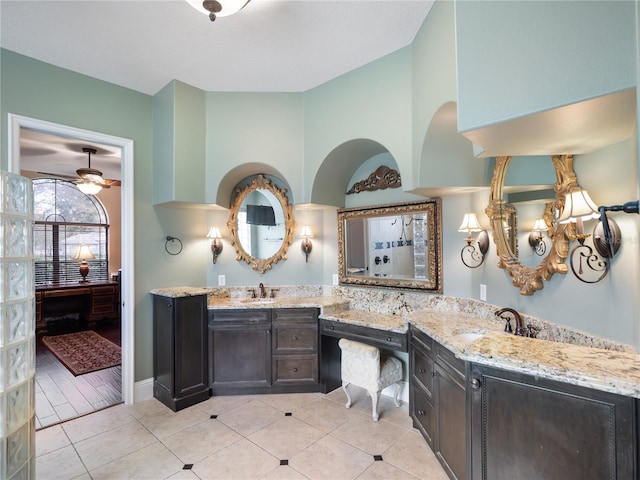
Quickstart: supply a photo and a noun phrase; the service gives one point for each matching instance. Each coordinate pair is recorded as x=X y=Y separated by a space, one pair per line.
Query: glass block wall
x=17 y=329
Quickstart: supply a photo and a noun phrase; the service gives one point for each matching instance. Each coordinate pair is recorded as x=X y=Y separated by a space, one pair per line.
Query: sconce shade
x=83 y=252
x=540 y=226
x=470 y=224
x=578 y=205
x=219 y=8
x=306 y=245
x=214 y=232
x=216 y=242
x=306 y=232
x=88 y=187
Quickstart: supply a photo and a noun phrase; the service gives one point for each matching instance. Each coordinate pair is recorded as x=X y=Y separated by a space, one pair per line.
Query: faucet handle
x=507 y=326
x=531 y=332
x=272 y=292
x=252 y=292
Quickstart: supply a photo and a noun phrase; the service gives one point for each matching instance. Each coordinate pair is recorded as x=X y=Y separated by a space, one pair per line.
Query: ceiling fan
x=90 y=180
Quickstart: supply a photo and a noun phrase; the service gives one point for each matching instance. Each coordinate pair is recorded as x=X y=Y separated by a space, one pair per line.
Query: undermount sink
x=260 y=301
x=468 y=337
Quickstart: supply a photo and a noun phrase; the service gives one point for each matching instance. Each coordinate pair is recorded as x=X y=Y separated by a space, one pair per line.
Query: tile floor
x=292 y=436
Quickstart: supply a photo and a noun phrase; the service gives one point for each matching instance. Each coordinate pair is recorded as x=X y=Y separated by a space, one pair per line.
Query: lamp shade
x=306 y=232
x=214 y=232
x=88 y=187
x=229 y=7
x=578 y=205
x=470 y=224
x=83 y=252
x=540 y=226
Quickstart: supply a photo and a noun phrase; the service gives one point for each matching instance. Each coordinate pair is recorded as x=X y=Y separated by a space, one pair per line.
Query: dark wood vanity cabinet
x=180 y=377
x=263 y=351
x=240 y=345
x=437 y=401
x=528 y=427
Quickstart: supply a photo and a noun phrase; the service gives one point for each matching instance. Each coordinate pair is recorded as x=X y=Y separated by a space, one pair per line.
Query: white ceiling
x=269 y=46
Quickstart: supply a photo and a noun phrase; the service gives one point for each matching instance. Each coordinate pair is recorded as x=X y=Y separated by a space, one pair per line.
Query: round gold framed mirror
x=503 y=217
x=261 y=223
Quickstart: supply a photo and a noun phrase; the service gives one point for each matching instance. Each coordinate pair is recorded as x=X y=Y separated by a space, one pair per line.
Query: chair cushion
x=363 y=366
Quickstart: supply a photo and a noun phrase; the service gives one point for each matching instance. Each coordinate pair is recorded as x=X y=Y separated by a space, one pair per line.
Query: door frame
x=16 y=122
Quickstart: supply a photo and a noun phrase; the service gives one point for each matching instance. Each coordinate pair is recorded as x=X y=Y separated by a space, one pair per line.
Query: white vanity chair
x=363 y=366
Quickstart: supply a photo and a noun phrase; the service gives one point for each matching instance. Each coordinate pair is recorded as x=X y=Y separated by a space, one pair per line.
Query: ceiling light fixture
x=218 y=8
x=91 y=179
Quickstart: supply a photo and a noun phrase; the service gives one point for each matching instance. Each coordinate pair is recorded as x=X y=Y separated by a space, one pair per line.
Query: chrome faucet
x=263 y=291
x=507 y=328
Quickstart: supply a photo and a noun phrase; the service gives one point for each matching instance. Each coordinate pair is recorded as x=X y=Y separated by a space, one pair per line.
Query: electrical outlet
x=335 y=279
x=483 y=292
x=222 y=280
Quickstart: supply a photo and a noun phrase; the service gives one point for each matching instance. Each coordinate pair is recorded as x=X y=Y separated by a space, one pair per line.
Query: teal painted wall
x=517 y=58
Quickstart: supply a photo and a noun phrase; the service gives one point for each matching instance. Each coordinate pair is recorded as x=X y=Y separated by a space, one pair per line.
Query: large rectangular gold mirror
x=395 y=246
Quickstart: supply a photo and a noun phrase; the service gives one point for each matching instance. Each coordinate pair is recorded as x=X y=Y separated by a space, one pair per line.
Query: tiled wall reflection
x=17 y=337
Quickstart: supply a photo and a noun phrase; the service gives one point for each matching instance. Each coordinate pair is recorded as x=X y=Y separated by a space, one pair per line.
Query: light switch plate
x=335 y=279
x=483 y=292
x=222 y=280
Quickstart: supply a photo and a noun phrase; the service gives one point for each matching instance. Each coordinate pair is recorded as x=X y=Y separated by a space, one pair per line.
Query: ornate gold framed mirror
x=504 y=223
x=261 y=223
x=395 y=246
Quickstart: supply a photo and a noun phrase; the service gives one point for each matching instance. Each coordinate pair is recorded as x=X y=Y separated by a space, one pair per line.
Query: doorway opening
x=17 y=126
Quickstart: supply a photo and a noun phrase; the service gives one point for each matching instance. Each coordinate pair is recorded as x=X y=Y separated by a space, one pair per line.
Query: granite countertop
x=606 y=370
x=381 y=321
x=325 y=303
x=177 y=292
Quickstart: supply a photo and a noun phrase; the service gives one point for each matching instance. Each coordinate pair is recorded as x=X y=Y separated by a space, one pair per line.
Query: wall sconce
x=306 y=245
x=536 y=237
x=579 y=208
x=471 y=255
x=83 y=253
x=216 y=242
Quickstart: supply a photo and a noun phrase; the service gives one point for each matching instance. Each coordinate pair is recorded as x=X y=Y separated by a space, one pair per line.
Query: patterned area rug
x=84 y=352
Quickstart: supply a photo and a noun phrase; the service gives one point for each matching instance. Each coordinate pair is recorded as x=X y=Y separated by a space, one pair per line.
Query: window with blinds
x=65 y=219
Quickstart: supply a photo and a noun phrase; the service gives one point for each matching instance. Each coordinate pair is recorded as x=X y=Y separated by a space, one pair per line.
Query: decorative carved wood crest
x=383 y=177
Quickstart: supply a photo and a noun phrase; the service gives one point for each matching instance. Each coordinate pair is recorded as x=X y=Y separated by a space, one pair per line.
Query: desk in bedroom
x=83 y=301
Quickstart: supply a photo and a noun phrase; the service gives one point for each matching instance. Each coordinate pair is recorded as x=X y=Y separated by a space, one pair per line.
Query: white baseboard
x=143 y=390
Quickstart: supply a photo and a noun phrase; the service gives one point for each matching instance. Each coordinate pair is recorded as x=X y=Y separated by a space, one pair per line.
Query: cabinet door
x=451 y=424
x=191 y=349
x=528 y=427
x=163 y=345
x=240 y=344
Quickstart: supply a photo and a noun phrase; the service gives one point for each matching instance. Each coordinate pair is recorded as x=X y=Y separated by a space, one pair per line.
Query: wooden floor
x=60 y=395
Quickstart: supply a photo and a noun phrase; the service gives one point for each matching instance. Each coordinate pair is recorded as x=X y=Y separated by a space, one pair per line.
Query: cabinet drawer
x=379 y=338
x=104 y=290
x=298 y=369
x=446 y=358
x=103 y=309
x=295 y=339
x=423 y=370
x=71 y=292
x=246 y=316
x=295 y=315
x=423 y=414
x=103 y=300
x=422 y=340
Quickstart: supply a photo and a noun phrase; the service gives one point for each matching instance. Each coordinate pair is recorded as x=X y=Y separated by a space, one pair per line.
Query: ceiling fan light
x=228 y=7
x=88 y=187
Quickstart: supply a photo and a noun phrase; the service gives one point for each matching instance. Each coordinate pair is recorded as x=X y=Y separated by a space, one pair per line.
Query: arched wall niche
x=447 y=162
x=225 y=190
x=332 y=179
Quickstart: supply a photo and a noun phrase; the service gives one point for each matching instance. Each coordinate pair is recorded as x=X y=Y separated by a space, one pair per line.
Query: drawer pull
x=295 y=370
x=331 y=327
x=388 y=339
x=422 y=370
x=293 y=337
x=475 y=383
x=420 y=412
